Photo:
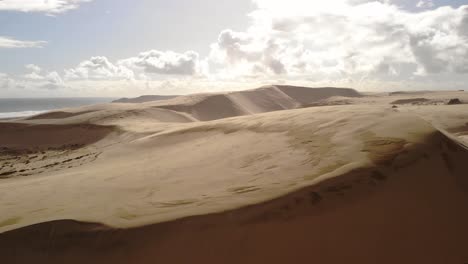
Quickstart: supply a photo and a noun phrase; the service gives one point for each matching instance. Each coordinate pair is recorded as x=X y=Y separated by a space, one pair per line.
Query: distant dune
x=257 y=176
x=207 y=107
x=145 y=98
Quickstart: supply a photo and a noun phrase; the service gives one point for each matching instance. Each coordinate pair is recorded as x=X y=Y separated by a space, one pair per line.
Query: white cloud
x=167 y=63
x=425 y=4
x=7 y=42
x=35 y=73
x=45 y=6
x=238 y=53
x=36 y=80
x=53 y=81
x=338 y=39
x=5 y=81
x=34 y=68
x=145 y=66
x=97 y=75
x=439 y=41
x=363 y=44
x=98 y=68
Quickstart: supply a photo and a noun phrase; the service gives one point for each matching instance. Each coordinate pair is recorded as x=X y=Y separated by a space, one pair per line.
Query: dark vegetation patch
x=57 y=115
x=413 y=101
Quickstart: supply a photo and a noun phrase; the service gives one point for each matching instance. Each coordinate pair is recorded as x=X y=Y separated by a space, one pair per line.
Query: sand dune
x=306 y=95
x=206 y=107
x=357 y=183
x=400 y=213
x=145 y=98
x=267 y=99
x=209 y=108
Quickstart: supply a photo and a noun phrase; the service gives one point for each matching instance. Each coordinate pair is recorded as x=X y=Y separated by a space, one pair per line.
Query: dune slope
x=267 y=99
x=201 y=107
x=400 y=212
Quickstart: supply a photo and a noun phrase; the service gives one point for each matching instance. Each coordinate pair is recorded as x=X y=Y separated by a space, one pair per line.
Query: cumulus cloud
x=34 y=68
x=98 y=68
x=358 y=43
x=35 y=72
x=337 y=39
x=53 y=81
x=45 y=6
x=438 y=41
x=38 y=79
x=7 y=42
x=139 y=67
x=425 y=4
x=5 y=81
x=169 y=62
x=238 y=53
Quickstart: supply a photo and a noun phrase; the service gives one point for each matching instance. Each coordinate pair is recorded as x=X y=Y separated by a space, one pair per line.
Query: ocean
x=20 y=107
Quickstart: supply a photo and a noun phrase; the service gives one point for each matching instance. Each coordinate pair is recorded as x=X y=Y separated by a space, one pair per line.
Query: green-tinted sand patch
x=10 y=221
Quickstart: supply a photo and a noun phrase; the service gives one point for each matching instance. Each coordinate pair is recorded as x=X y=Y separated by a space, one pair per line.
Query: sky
x=67 y=48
